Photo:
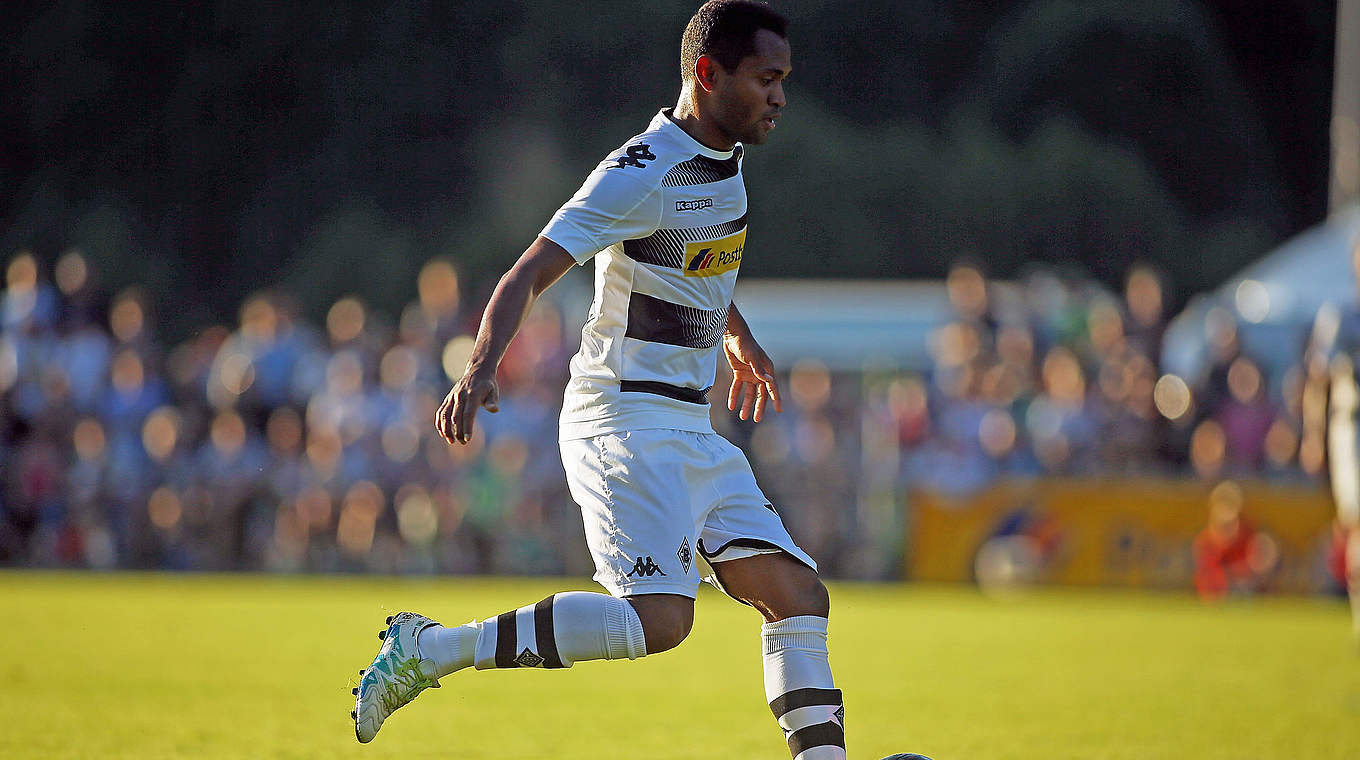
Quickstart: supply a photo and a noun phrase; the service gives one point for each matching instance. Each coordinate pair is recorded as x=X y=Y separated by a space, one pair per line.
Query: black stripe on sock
x=804 y=698
x=505 y=640
x=820 y=735
x=543 y=633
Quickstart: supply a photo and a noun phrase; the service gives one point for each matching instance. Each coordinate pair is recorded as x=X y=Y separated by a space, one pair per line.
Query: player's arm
x=542 y=264
x=753 y=383
x=614 y=204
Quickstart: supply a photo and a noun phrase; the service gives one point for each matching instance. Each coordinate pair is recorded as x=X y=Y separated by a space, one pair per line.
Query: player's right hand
x=477 y=388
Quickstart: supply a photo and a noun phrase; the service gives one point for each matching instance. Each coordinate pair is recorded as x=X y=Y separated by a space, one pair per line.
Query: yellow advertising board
x=1109 y=532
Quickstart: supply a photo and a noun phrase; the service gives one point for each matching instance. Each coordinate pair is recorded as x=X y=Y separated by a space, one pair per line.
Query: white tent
x=846 y=324
x=1274 y=300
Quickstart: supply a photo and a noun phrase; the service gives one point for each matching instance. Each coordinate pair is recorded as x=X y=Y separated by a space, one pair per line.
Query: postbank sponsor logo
x=713 y=257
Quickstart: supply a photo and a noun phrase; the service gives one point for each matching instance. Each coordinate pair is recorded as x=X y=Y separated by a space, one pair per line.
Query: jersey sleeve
x=614 y=204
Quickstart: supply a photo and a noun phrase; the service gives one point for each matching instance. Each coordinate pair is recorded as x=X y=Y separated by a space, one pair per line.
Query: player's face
x=749 y=99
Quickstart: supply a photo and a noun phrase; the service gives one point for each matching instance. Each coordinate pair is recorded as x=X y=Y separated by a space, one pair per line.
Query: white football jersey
x=665 y=219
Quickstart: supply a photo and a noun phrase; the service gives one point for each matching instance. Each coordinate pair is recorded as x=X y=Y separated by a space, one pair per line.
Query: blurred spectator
x=1246 y=416
x=28 y=304
x=1143 y=297
x=1231 y=556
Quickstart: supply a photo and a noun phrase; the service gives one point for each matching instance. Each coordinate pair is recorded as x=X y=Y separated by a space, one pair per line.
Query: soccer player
x=1331 y=412
x=664 y=217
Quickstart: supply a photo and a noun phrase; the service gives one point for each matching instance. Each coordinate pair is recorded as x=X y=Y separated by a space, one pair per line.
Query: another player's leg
x=563 y=629
x=798 y=683
x=1343 y=456
x=1353 y=576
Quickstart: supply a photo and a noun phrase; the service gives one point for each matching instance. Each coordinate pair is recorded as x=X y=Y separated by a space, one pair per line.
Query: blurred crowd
x=275 y=444
x=1055 y=375
x=1050 y=375
x=282 y=445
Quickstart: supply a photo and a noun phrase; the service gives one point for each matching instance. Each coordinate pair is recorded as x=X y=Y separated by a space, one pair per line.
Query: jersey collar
x=664 y=122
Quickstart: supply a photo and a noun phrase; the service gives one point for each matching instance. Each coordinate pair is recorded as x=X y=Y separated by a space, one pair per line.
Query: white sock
x=800 y=690
x=449 y=648
x=590 y=626
x=563 y=629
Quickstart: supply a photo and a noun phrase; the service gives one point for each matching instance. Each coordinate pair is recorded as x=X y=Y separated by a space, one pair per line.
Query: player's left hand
x=753 y=383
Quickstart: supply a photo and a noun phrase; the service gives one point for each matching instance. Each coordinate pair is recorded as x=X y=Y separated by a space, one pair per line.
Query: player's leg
x=623 y=483
x=774 y=583
x=1343 y=456
x=1353 y=576
x=666 y=619
x=566 y=628
x=556 y=632
x=635 y=511
x=799 y=686
x=756 y=561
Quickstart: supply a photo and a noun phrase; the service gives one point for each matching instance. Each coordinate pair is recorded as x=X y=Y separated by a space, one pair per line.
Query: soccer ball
x=906 y=756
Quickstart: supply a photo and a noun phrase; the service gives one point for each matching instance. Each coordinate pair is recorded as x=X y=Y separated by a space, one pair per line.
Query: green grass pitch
x=158 y=666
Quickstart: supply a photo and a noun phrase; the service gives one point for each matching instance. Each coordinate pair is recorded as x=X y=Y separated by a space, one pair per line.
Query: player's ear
x=706 y=72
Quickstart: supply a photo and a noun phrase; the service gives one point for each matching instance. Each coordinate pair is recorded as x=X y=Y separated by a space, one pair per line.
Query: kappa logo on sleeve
x=636 y=155
x=714 y=257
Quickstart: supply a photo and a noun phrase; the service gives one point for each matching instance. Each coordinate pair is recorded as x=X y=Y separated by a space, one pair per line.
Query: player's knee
x=812 y=596
x=803 y=593
x=797 y=593
x=666 y=619
x=777 y=585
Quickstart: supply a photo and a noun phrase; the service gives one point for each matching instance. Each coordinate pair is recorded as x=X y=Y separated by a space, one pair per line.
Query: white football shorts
x=653 y=501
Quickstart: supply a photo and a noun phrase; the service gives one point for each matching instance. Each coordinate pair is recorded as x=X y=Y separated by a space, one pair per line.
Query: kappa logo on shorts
x=683 y=554
x=636 y=155
x=645 y=569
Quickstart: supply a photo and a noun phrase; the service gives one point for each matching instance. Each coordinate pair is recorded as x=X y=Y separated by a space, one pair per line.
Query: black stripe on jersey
x=677 y=392
x=702 y=170
x=505 y=640
x=657 y=321
x=820 y=735
x=666 y=248
x=543 y=633
x=797 y=698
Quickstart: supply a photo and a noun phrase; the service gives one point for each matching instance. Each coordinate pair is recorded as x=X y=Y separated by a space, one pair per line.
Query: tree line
x=206 y=150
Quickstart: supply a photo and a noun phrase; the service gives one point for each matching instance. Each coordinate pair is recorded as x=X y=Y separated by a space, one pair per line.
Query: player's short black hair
x=726 y=30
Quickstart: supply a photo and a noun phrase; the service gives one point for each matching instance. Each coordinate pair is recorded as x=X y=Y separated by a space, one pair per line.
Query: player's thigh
x=769 y=570
x=774 y=583
x=637 y=509
x=741 y=521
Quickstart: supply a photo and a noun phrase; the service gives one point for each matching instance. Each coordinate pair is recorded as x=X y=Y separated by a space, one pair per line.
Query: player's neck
x=688 y=116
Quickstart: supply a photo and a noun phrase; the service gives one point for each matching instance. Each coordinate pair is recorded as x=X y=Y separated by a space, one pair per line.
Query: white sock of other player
x=564 y=628
x=799 y=688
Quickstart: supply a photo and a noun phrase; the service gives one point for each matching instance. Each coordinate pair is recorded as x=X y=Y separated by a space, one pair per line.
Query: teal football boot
x=396 y=676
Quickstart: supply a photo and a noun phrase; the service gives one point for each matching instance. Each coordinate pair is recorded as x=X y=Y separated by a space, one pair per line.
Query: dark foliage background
x=208 y=149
